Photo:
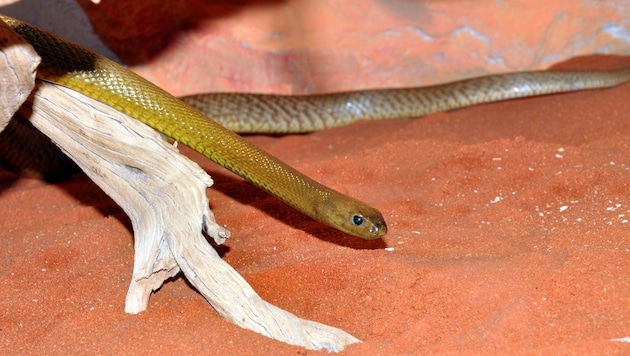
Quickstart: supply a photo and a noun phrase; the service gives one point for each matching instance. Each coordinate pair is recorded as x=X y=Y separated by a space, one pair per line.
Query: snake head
x=367 y=225
x=355 y=218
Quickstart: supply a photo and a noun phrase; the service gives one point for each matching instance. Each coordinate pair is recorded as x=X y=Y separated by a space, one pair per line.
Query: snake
x=280 y=114
x=207 y=123
x=72 y=66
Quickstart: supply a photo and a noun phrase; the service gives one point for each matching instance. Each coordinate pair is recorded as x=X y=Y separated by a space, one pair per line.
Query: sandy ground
x=508 y=232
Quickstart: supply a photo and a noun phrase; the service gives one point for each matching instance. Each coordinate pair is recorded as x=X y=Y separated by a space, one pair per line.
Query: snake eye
x=357 y=220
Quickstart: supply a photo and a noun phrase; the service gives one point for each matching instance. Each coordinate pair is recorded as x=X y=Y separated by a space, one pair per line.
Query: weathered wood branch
x=17 y=80
x=163 y=193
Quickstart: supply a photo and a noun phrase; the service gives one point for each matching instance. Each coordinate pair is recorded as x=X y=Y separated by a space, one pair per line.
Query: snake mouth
x=379 y=231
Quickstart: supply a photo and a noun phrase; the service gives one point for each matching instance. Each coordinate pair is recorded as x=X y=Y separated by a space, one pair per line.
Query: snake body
x=69 y=65
x=72 y=66
x=260 y=113
x=26 y=150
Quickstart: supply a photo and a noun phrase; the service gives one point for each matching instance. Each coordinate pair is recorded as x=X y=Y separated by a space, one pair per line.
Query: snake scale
x=70 y=65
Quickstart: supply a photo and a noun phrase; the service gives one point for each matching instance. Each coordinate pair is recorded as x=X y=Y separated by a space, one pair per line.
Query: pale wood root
x=164 y=195
x=18 y=65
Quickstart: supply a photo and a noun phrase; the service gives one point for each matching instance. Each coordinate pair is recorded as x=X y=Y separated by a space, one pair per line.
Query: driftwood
x=18 y=66
x=162 y=191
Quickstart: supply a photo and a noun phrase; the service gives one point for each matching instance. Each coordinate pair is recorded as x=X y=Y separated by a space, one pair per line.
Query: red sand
x=508 y=224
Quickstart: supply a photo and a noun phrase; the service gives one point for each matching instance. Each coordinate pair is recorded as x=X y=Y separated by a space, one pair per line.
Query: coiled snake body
x=69 y=65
